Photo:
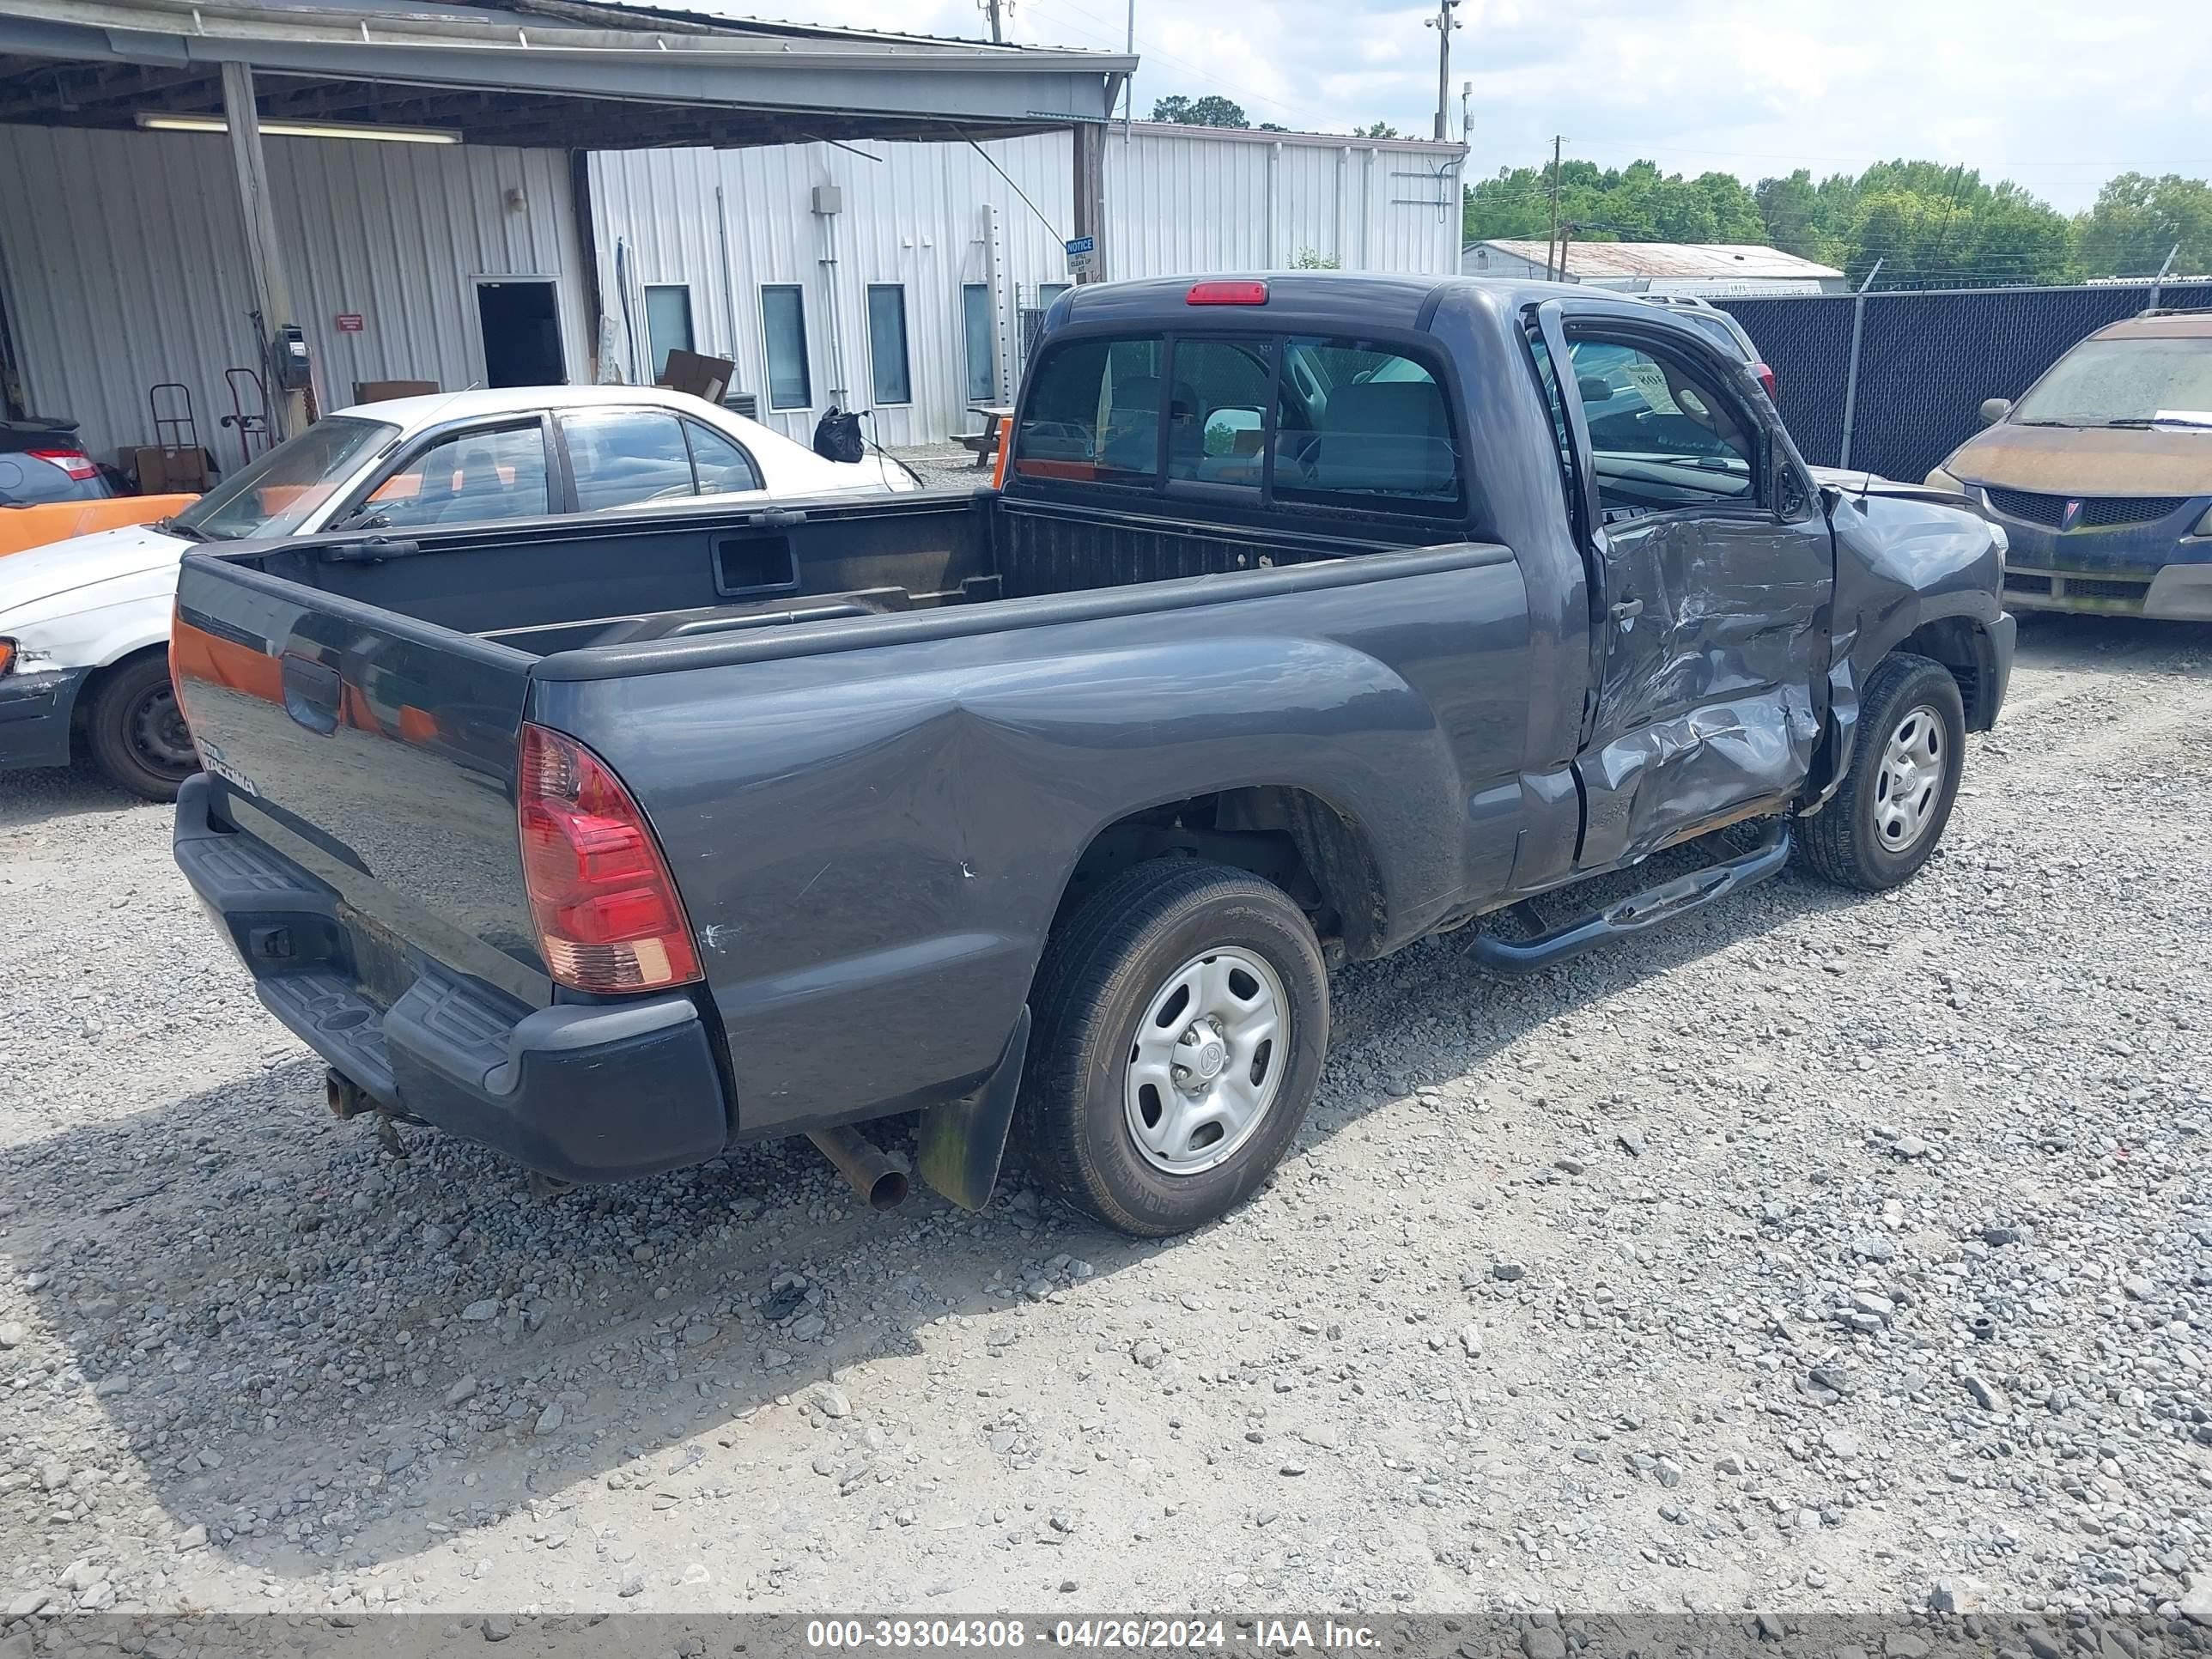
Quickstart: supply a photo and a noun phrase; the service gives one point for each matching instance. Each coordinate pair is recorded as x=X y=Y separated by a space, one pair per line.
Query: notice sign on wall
x=350 y=322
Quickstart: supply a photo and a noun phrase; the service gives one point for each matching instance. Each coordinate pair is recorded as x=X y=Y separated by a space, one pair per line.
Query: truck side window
x=1218 y=411
x=1092 y=413
x=1663 y=436
x=1361 y=425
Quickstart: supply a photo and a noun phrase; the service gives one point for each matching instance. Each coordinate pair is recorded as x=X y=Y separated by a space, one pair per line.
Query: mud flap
x=962 y=1140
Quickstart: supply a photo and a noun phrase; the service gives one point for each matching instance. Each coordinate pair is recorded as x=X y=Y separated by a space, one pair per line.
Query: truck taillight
x=1226 y=294
x=1767 y=379
x=607 y=912
x=74 y=462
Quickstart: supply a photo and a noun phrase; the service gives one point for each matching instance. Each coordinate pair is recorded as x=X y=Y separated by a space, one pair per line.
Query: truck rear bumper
x=594 y=1093
x=34 y=717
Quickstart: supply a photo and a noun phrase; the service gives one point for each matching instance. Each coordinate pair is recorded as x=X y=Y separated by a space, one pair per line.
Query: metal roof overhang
x=545 y=73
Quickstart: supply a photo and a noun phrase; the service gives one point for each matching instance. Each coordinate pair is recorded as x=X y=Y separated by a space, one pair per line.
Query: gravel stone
x=1887 y=1284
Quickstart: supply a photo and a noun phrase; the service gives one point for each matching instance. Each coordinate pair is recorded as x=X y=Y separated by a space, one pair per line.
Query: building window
x=667 y=323
x=887 y=356
x=982 y=343
x=783 y=321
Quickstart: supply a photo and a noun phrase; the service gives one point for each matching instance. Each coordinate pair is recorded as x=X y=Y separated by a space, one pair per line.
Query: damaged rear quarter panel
x=871 y=844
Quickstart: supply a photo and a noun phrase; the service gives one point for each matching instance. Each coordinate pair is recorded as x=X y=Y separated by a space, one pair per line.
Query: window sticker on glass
x=1650 y=379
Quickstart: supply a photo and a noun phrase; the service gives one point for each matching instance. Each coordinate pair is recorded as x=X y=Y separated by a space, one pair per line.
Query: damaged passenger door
x=1715 y=572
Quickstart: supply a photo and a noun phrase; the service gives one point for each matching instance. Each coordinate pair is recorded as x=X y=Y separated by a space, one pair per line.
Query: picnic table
x=985 y=442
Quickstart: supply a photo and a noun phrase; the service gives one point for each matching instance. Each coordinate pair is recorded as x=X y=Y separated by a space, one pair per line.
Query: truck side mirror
x=1995 y=410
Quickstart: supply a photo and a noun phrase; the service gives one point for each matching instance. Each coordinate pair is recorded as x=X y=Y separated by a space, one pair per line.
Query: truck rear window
x=1310 y=419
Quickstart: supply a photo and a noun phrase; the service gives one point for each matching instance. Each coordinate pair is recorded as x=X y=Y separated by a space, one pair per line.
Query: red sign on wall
x=350 y=322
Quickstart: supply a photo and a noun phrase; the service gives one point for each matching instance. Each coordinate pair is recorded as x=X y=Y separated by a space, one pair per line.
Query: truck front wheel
x=1182 y=1015
x=1906 y=758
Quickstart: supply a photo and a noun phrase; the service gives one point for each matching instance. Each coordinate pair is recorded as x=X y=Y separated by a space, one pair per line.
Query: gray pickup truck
x=1316 y=613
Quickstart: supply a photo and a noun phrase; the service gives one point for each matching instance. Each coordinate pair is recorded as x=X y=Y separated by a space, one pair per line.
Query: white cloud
x=2058 y=94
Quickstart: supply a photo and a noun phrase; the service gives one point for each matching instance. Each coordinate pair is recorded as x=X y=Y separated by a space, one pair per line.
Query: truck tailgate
x=377 y=754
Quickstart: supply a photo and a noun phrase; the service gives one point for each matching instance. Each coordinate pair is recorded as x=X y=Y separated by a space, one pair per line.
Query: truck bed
x=570 y=585
x=870 y=738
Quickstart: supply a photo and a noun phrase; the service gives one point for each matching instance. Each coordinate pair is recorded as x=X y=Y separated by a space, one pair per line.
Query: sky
x=2056 y=94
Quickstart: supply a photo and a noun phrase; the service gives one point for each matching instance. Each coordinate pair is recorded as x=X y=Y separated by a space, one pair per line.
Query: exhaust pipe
x=863 y=1163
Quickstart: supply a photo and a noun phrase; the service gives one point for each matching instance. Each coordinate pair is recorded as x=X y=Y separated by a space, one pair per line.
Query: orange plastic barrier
x=25 y=527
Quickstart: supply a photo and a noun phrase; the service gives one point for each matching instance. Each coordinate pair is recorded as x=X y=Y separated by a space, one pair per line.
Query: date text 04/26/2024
x=1122 y=1632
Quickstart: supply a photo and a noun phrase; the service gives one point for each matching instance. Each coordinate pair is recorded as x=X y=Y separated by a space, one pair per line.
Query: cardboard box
x=160 y=471
x=702 y=377
x=382 y=391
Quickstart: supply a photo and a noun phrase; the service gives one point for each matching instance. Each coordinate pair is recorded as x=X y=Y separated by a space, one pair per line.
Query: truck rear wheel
x=1906 y=759
x=1181 y=1016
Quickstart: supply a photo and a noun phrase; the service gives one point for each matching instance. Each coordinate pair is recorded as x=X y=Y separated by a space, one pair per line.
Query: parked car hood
x=1850 y=482
x=47 y=573
x=2053 y=460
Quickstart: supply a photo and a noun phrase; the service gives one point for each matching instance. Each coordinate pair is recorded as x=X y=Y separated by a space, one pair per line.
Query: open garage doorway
x=519 y=321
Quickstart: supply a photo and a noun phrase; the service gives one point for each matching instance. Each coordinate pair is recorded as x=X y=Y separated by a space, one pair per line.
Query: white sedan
x=84 y=623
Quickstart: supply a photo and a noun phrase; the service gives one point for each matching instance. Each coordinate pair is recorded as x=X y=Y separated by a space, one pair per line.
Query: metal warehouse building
x=479 y=195
x=901 y=278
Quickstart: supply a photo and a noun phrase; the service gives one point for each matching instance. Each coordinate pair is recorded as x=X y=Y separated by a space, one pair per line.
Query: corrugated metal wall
x=933 y=217
x=121 y=255
x=120 y=251
x=926 y=218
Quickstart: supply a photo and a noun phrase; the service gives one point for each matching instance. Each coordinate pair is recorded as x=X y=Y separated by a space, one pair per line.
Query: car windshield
x=275 y=494
x=2122 y=382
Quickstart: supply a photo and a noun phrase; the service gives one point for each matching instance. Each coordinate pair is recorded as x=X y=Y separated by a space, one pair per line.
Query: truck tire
x=135 y=729
x=1182 y=1015
x=1906 y=759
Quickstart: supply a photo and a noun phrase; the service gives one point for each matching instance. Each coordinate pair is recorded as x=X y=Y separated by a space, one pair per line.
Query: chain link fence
x=1926 y=360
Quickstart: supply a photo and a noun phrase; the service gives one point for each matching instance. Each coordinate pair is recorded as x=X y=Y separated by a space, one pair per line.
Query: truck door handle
x=1627 y=609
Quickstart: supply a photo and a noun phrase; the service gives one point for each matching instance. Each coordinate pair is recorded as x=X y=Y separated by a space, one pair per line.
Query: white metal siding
x=395 y=233
x=123 y=264
x=921 y=216
x=934 y=216
x=120 y=258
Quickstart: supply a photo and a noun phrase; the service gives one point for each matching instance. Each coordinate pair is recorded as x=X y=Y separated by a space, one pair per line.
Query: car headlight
x=1939 y=479
x=2204 y=524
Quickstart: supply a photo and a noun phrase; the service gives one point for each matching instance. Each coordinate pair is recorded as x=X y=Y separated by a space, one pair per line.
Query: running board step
x=1639 y=911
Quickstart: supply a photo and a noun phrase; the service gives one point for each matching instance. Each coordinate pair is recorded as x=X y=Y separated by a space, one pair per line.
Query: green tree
x=1928 y=223
x=2137 y=220
x=1210 y=110
x=1378 y=129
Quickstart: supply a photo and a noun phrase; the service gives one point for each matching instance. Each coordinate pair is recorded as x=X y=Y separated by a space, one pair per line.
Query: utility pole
x=997 y=32
x=1129 y=83
x=1552 y=240
x=1443 y=24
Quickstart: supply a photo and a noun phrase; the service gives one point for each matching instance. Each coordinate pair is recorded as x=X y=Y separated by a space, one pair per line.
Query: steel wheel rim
x=1207 y=1062
x=1910 y=781
x=158 y=734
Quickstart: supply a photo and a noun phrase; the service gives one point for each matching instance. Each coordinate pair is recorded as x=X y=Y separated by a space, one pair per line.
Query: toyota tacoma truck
x=1316 y=613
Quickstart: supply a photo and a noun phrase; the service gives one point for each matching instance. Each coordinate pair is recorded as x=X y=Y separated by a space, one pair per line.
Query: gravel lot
x=1819 y=1253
